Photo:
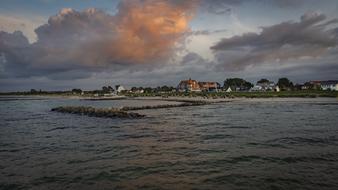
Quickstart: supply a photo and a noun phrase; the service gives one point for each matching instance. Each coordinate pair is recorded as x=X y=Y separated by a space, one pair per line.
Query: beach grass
x=269 y=94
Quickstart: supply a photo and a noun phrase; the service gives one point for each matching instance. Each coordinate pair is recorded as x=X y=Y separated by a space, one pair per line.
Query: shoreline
x=215 y=99
x=125 y=111
x=181 y=95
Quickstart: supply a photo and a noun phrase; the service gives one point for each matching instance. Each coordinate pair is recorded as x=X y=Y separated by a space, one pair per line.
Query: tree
x=237 y=84
x=104 y=89
x=263 y=81
x=33 y=91
x=76 y=91
x=285 y=84
x=165 y=88
x=148 y=90
x=111 y=89
x=134 y=89
x=157 y=89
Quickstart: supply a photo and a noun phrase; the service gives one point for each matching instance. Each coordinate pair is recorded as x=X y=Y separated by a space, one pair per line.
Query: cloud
x=149 y=31
x=143 y=32
x=312 y=37
x=220 y=7
x=206 y=32
x=287 y=3
x=10 y=23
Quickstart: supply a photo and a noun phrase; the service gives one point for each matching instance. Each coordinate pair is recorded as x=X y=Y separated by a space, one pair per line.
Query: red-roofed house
x=188 y=86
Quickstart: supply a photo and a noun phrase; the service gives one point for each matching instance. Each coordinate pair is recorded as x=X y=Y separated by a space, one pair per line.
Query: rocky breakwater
x=183 y=104
x=123 y=112
x=97 y=112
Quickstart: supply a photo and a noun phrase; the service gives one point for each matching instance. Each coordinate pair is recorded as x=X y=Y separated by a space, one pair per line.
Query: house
x=256 y=88
x=321 y=85
x=188 y=86
x=329 y=85
x=139 y=91
x=316 y=85
x=209 y=86
x=119 y=88
x=311 y=85
x=136 y=90
x=265 y=86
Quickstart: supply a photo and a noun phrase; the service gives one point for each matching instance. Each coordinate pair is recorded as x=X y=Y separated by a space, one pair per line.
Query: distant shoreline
x=209 y=96
x=209 y=100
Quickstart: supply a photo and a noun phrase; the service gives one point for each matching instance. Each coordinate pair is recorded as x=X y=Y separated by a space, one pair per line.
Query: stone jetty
x=97 y=112
x=122 y=112
x=184 y=104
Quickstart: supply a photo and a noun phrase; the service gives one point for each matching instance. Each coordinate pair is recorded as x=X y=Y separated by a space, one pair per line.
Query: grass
x=282 y=94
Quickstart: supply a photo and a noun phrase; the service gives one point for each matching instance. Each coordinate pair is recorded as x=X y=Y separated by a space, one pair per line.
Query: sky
x=87 y=44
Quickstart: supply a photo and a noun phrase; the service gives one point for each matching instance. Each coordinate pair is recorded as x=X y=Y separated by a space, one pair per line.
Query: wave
x=331 y=140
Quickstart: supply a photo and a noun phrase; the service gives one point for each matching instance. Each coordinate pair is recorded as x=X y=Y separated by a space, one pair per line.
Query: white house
x=265 y=86
x=329 y=85
x=119 y=88
x=140 y=91
x=256 y=88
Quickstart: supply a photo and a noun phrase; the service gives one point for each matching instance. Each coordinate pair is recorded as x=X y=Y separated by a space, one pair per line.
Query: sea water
x=244 y=144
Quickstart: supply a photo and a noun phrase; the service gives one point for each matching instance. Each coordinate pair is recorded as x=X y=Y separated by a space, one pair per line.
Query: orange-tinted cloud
x=149 y=30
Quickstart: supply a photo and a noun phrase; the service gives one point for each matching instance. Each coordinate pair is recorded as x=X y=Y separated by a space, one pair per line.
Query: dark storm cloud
x=65 y=43
x=312 y=37
x=192 y=59
x=317 y=71
x=16 y=39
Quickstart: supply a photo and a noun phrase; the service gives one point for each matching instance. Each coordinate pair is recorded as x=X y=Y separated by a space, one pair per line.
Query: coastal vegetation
x=285 y=84
x=220 y=94
x=243 y=94
x=232 y=88
x=237 y=83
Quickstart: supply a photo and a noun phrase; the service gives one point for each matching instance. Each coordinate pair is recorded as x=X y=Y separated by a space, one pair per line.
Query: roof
x=329 y=82
x=209 y=84
x=189 y=81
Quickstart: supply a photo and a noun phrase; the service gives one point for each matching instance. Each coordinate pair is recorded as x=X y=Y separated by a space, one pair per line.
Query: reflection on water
x=248 y=144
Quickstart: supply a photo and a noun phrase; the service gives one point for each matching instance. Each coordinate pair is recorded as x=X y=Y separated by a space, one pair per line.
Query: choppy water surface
x=250 y=144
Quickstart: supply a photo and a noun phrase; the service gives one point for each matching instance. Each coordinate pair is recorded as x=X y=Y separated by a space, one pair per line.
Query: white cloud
x=26 y=24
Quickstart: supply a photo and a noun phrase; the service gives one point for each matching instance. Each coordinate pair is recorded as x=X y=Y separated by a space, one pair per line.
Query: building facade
x=188 y=86
x=265 y=86
x=329 y=85
x=209 y=86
